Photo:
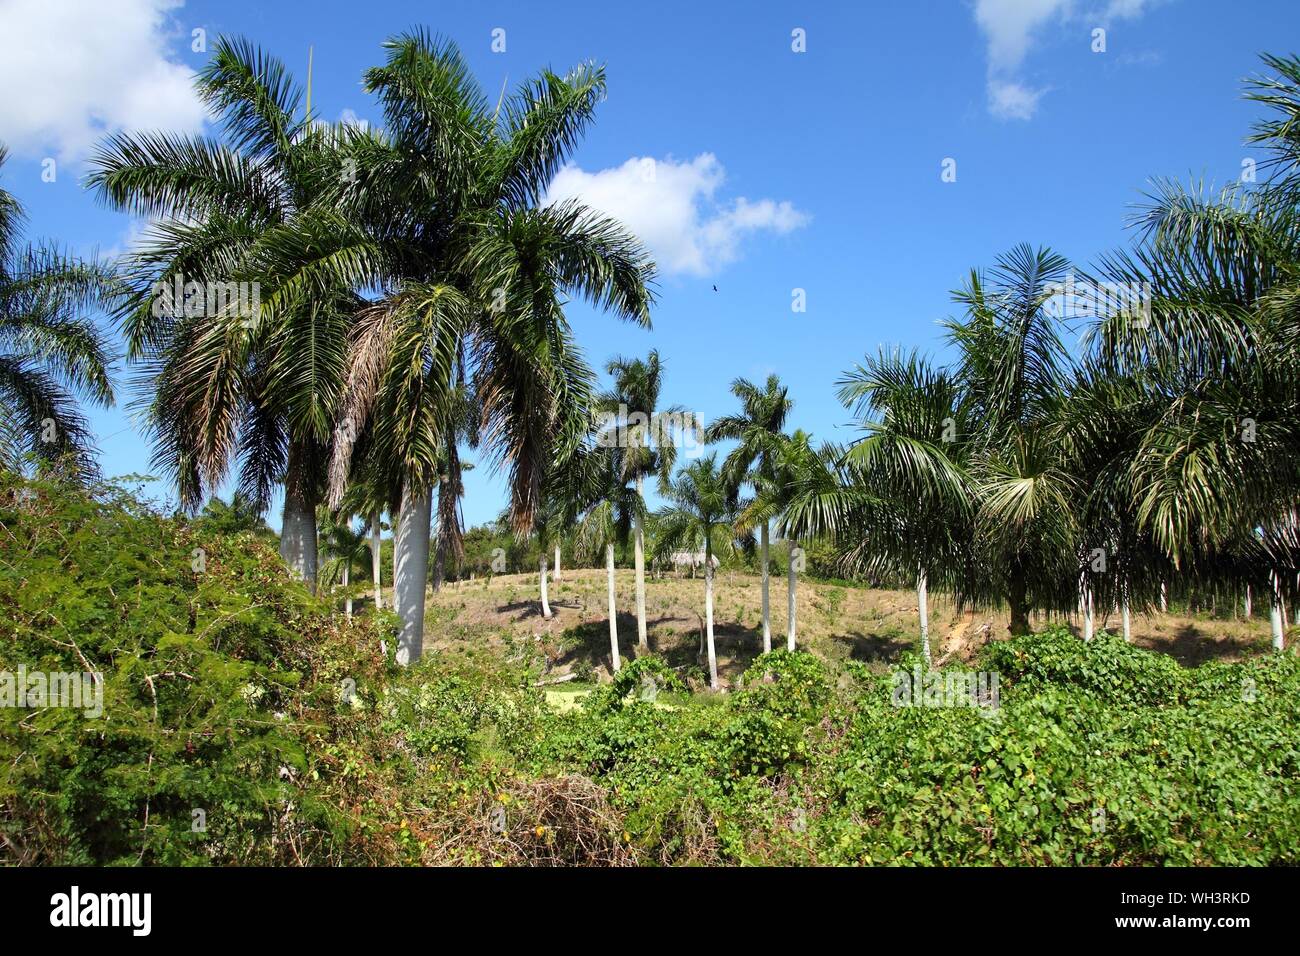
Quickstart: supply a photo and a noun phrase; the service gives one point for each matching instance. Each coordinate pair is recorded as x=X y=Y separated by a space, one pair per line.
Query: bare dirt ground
x=503 y=616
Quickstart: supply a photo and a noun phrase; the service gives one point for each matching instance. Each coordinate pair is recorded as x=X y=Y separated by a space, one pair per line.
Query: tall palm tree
x=963 y=478
x=51 y=353
x=757 y=430
x=1013 y=368
x=443 y=217
x=699 y=516
x=807 y=494
x=913 y=455
x=253 y=379
x=647 y=436
x=609 y=508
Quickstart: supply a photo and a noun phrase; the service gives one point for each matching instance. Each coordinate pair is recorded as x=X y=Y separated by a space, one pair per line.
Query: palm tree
x=51 y=354
x=913 y=456
x=243 y=365
x=1013 y=369
x=647 y=436
x=699 y=515
x=609 y=508
x=1218 y=346
x=963 y=478
x=345 y=546
x=442 y=216
x=807 y=494
x=367 y=498
x=756 y=430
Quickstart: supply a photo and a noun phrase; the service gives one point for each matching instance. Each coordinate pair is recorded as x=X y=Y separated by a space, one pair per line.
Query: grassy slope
x=835 y=621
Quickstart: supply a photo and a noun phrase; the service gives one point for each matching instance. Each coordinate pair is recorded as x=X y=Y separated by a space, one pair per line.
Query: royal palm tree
x=647 y=436
x=243 y=366
x=609 y=508
x=51 y=353
x=757 y=430
x=807 y=494
x=440 y=213
x=700 y=515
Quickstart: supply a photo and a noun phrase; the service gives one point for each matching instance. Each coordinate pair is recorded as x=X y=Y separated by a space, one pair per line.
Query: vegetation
x=412 y=284
x=235 y=692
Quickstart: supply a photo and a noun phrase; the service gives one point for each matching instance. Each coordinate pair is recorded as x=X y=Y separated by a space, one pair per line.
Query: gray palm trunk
x=376 y=546
x=1128 y=631
x=1087 y=614
x=1275 y=617
x=708 y=617
x=923 y=609
x=411 y=571
x=613 y=609
x=638 y=554
x=546 y=607
x=298 y=537
x=767 y=617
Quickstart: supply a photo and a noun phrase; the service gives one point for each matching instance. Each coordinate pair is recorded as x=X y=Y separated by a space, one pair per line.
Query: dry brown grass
x=838 y=622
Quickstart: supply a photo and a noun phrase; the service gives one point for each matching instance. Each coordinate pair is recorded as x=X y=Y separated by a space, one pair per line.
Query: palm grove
x=412 y=283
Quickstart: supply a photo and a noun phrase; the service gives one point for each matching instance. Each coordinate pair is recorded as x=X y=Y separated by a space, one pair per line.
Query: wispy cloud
x=673 y=207
x=1012 y=27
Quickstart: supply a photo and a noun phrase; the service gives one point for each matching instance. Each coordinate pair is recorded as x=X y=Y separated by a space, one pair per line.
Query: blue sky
x=775 y=170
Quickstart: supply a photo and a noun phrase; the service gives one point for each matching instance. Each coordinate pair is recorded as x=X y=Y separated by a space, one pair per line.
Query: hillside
x=835 y=621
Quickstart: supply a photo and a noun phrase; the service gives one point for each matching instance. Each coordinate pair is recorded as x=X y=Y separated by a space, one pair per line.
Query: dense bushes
x=231 y=691
x=1098 y=753
x=229 y=731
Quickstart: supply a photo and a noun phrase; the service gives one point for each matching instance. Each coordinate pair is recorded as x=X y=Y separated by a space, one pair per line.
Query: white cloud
x=671 y=207
x=1011 y=27
x=1012 y=100
x=349 y=117
x=73 y=71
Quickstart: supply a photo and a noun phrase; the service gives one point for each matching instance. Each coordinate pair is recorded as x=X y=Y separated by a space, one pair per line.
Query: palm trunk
x=708 y=617
x=1275 y=617
x=791 y=599
x=348 y=598
x=546 y=607
x=298 y=529
x=767 y=617
x=376 y=564
x=1248 y=602
x=1128 y=633
x=411 y=571
x=1087 y=613
x=439 y=562
x=557 y=562
x=1164 y=599
x=613 y=610
x=923 y=609
x=638 y=553
x=1017 y=599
